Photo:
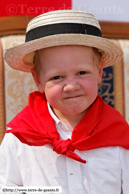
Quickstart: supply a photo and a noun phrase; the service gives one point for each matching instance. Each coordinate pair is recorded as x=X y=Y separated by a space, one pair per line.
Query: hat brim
x=15 y=56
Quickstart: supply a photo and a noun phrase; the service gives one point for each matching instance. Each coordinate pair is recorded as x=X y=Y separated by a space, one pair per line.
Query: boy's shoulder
x=112 y=117
x=112 y=112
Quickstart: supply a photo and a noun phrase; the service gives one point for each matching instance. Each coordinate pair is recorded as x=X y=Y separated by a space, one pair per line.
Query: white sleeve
x=124 y=159
x=9 y=168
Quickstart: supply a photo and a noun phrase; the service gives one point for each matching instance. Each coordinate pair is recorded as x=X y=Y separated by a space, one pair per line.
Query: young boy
x=67 y=136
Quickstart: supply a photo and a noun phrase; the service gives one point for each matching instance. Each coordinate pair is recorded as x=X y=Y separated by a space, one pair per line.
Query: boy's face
x=69 y=78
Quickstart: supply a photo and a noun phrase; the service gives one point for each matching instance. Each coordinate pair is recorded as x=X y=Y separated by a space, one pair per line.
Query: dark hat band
x=61 y=28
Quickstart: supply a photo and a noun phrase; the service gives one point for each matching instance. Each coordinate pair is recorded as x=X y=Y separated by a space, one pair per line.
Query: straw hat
x=63 y=27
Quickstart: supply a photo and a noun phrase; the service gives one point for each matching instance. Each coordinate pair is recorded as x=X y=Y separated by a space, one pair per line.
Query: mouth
x=72 y=97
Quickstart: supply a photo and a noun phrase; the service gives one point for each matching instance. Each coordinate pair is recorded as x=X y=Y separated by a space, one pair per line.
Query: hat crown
x=63 y=16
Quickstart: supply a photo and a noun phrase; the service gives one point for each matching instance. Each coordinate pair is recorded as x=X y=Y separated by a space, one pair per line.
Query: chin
x=72 y=113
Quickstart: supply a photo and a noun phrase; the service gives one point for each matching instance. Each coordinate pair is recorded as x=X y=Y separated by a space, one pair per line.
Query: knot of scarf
x=61 y=146
x=65 y=147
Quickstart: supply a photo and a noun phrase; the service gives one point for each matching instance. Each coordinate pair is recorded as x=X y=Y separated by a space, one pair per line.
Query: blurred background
x=15 y=86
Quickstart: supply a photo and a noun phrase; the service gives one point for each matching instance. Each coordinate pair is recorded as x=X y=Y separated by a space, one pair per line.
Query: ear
x=100 y=72
x=37 y=81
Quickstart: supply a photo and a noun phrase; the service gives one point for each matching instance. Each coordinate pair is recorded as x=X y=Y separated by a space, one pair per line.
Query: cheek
x=90 y=85
x=52 y=92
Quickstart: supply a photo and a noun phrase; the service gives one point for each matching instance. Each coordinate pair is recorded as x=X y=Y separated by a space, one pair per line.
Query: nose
x=71 y=85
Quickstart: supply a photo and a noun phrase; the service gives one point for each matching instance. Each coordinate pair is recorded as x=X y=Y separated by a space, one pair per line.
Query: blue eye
x=82 y=72
x=57 y=77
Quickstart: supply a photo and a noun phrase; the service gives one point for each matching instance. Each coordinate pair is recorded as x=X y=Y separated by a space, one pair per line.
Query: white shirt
x=106 y=170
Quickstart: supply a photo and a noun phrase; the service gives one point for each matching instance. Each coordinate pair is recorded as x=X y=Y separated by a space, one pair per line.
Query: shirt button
x=71 y=173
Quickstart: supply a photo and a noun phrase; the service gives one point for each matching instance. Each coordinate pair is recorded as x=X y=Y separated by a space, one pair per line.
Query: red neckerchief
x=102 y=126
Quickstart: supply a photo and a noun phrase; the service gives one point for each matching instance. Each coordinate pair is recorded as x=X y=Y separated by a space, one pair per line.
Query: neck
x=70 y=120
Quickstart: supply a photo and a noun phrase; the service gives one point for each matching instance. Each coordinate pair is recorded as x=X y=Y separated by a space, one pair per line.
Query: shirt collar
x=57 y=121
x=53 y=115
x=61 y=127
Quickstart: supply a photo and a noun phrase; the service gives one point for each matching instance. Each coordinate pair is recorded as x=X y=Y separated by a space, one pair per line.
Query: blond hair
x=97 y=57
